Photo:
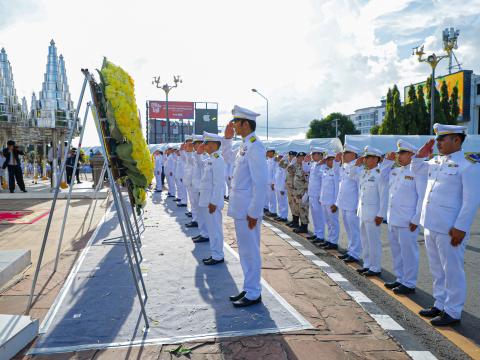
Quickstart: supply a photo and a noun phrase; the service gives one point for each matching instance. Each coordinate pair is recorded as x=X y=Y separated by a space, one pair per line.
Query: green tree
x=424 y=118
x=398 y=112
x=444 y=102
x=411 y=112
x=325 y=128
x=387 y=126
x=454 y=107
x=374 y=129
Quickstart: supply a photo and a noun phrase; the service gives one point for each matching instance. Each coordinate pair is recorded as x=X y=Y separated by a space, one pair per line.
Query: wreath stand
x=130 y=238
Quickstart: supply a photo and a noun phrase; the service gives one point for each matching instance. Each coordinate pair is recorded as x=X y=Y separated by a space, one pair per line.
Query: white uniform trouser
x=351 y=222
x=371 y=245
x=190 y=198
x=158 y=180
x=404 y=245
x=181 y=191
x=318 y=217
x=282 y=201
x=248 y=241
x=202 y=225
x=171 y=184
x=446 y=266
x=272 y=200
x=333 y=226
x=215 y=231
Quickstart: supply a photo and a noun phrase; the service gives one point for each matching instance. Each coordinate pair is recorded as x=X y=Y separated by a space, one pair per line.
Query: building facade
x=364 y=119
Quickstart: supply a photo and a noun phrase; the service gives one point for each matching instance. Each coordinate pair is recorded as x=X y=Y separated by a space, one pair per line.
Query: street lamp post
x=449 y=43
x=256 y=91
x=165 y=87
x=336 y=127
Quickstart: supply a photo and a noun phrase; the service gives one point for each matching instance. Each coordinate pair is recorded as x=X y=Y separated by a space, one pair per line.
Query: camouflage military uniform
x=285 y=164
x=300 y=185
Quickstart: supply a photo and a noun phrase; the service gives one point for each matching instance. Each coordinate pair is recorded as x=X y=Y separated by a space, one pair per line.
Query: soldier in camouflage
x=284 y=164
x=300 y=186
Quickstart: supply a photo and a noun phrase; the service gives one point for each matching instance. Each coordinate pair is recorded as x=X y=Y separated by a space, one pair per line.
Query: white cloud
x=308 y=57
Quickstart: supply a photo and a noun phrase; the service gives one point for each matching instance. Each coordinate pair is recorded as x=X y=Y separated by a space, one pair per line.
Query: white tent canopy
x=388 y=143
x=281 y=146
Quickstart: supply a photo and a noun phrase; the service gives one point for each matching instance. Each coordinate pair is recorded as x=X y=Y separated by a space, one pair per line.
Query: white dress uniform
x=405 y=198
x=248 y=198
x=179 y=174
x=328 y=197
x=159 y=159
x=228 y=177
x=187 y=175
x=212 y=192
x=196 y=176
x=372 y=202
x=347 y=202
x=280 y=187
x=170 y=173
x=315 y=171
x=272 y=196
x=451 y=200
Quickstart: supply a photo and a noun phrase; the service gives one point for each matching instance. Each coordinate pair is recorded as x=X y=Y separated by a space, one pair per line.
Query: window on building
x=478 y=89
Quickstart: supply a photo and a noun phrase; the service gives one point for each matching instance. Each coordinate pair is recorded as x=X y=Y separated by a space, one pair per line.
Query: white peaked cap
x=351 y=148
x=270 y=148
x=188 y=137
x=211 y=137
x=370 y=150
x=330 y=153
x=197 y=138
x=403 y=145
x=316 y=149
x=242 y=113
x=442 y=129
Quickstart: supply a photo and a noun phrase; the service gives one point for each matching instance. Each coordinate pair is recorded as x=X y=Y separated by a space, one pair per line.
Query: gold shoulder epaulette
x=216 y=155
x=253 y=139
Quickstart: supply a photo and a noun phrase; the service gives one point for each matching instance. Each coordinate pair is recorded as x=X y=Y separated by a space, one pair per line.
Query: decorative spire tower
x=54 y=100
x=10 y=109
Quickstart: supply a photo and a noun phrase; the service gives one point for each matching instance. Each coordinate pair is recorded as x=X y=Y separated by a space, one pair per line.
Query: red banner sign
x=176 y=110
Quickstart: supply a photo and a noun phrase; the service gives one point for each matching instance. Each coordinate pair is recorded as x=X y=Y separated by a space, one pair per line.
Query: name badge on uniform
x=409 y=177
x=371 y=179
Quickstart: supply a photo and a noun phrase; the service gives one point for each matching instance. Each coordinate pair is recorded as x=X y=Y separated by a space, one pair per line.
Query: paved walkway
x=342 y=328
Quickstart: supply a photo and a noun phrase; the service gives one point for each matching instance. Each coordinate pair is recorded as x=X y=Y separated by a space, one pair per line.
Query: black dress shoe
x=430 y=313
x=284 y=220
x=403 y=290
x=391 y=285
x=318 y=242
x=196 y=237
x=213 y=262
x=350 y=259
x=444 y=320
x=370 y=273
x=177 y=199
x=311 y=237
x=206 y=259
x=201 y=240
x=243 y=302
x=237 y=297
x=274 y=215
x=182 y=205
x=302 y=229
x=362 y=270
x=344 y=256
x=192 y=224
x=188 y=213
x=325 y=243
x=24 y=190
x=331 y=246
x=278 y=218
x=170 y=195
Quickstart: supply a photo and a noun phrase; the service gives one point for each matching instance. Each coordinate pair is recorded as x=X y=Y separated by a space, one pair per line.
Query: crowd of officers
x=406 y=188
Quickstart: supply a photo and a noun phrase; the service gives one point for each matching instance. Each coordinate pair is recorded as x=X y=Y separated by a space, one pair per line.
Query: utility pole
x=166 y=88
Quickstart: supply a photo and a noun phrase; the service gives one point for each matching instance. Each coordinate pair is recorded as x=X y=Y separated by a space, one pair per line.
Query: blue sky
x=308 y=57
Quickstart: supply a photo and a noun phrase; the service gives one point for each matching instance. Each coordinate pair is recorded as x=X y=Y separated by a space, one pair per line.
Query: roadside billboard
x=206 y=120
x=176 y=110
x=462 y=80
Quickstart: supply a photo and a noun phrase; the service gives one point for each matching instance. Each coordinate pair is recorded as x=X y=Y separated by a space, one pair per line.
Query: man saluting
x=246 y=200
